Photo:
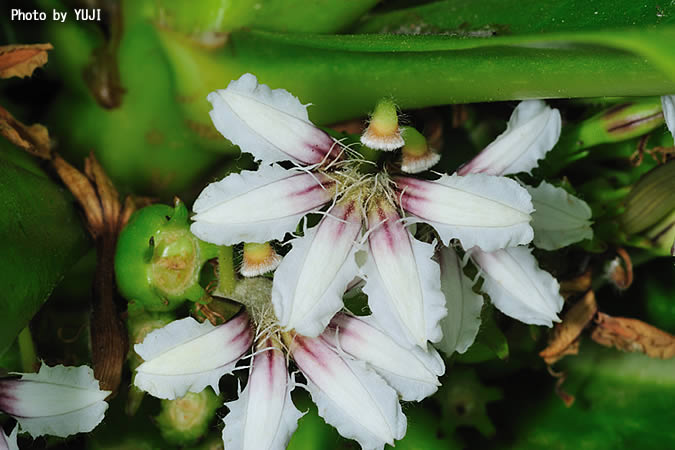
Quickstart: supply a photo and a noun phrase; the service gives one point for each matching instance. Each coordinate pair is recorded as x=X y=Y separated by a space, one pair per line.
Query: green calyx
x=158 y=260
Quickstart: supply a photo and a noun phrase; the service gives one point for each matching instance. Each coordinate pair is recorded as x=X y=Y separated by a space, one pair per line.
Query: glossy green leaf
x=425 y=70
x=41 y=234
x=497 y=17
x=221 y=16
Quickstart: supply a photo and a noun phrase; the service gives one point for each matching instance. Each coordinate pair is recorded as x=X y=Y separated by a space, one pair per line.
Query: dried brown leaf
x=564 y=338
x=633 y=335
x=21 y=60
x=577 y=285
x=620 y=274
x=34 y=139
x=107 y=193
x=83 y=191
x=99 y=199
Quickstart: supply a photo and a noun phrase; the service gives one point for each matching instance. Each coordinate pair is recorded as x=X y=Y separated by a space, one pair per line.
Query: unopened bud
x=650 y=200
x=632 y=119
x=417 y=156
x=622 y=122
x=383 y=132
x=184 y=420
x=259 y=259
x=662 y=235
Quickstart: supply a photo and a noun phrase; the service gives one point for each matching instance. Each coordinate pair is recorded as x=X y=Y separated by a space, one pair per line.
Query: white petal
x=310 y=281
x=57 y=400
x=186 y=356
x=412 y=372
x=263 y=417
x=668 y=105
x=532 y=131
x=349 y=396
x=560 y=218
x=461 y=325
x=258 y=206
x=272 y=125
x=402 y=281
x=480 y=210
x=9 y=442
x=518 y=287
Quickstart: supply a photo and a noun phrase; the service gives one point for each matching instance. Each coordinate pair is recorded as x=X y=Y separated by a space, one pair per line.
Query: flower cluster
x=356 y=368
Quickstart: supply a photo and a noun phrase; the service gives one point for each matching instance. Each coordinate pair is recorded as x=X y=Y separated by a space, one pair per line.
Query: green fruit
x=158 y=260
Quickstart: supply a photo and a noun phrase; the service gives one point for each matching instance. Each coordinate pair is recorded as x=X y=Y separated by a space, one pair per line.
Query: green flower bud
x=158 y=260
x=184 y=420
x=621 y=122
x=651 y=199
x=662 y=235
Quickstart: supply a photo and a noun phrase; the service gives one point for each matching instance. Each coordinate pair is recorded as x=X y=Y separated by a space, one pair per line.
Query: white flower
x=9 y=442
x=668 y=105
x=461 y=325
x=560 y=218
x=512 y=277
x=533 y=130
x=365 y=213
x=518 y=287
x=354 y=372
x=57 y=400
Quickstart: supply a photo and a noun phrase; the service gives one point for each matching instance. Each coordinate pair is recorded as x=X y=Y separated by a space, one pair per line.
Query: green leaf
x=497 y=17
x=41 y=235
x=221 y=16
x=622 y=401
x=425 y=70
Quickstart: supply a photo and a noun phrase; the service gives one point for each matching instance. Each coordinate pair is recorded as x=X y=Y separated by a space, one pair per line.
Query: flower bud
x=184 y=420
x=662 y=235
x=621 y=122
x=650 y=200
x=158 y=260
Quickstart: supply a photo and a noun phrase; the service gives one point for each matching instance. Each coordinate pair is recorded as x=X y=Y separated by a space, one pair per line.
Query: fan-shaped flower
x=512 y=277
x=365 y=211
x=57 y=400
x=354 y=372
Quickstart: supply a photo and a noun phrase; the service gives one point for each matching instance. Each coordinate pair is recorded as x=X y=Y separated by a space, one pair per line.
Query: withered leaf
x=564 y=338
x=620 y=274
x=577 y=285
x=22 y=59
x=98 y=197
x=633 y=335
x=84 y=192
x=34 y=139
